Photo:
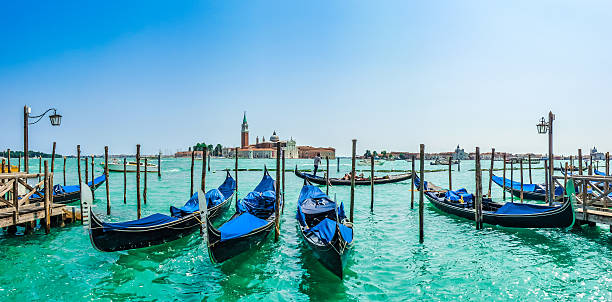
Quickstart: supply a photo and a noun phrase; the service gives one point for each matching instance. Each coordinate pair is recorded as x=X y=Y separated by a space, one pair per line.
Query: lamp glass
x=56 y=119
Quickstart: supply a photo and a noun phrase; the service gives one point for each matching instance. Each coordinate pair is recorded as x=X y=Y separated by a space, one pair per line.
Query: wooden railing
x=16 y=194
x=592 y=191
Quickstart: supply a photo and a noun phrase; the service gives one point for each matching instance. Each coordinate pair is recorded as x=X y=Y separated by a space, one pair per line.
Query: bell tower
x=244 y=134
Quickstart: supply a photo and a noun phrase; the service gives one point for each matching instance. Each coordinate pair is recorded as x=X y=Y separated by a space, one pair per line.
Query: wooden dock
x=593 y=203
x=16 y=208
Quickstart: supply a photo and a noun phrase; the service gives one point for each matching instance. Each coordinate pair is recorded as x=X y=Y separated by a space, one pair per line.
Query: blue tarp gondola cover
x=241 y=225
x=313 y=201
x=459 y=195
x=213 y=197
x=526 y=187
x=254 y=209
x=153 y=220
x=511 y=208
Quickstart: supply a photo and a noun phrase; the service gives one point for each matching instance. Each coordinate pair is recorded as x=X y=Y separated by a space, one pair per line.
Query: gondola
x=358 y=181
x=515 y=215
x=530 y=191
x=68 y=194
x=248 y=227
x=159 y=228
x=324 y=227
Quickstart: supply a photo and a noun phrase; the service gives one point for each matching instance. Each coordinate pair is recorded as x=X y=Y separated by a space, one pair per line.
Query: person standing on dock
x=317 y=161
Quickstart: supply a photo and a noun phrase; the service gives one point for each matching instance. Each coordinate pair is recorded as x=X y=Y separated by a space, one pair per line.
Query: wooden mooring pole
x=19 y=165
x=138 y=181
x=478 y=201
x=39 y=167
x=86 y=170
x=284 y=155
x=204 y=166
x=159 y=164
x=326 y=174
x=108 y=206
x=79 y=172
x=450 y=176
x=48 y=192
x=607 y=183
x=412 y=183
x=491 y=171
x=278 y=195
x=52 y=160
x=191 y=174
x=338 y=165
x=64 y=170
x=512 y=180
x=236 y=174
x=421 y=197
x=208 y=156
x=144 y=191
x=584 y=186
x=565 y=180
x=124 y=180
x=203 y=182
x=521 y=166
x=92 y=177
x=579 y=161
x=546 y=185
x=529 y=158
x=353 y=179
x=372 y=182
x=8 y=159
x=504 y=186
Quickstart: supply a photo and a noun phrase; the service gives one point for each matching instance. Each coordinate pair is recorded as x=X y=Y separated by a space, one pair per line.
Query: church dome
x=274 y=137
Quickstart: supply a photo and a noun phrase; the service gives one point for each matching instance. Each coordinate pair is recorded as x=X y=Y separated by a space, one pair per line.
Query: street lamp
x=55 y=119
x=543 y=128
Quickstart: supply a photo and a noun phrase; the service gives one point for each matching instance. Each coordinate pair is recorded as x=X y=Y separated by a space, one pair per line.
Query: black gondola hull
x=66 y=198
x=220 y=251
x=343 y=182
x=332 y=256
x=133 y=238
x=561 y=217
x=558 y=218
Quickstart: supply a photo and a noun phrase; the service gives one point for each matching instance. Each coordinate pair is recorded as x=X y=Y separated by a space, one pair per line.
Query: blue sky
x=392 y=74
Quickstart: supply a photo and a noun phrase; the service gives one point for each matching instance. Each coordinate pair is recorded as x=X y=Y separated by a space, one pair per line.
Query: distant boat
x=367 y=162
x=13 y=167
x=358 y=180
x=525 y=161
x=117 y=166
x=510 y=214
x=443 y=162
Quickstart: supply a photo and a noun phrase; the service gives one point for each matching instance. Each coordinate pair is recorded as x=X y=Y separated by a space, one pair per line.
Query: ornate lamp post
x=55 y=119
x=543 y=128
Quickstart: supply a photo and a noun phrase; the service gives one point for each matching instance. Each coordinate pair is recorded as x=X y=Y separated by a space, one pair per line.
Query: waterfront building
x=597 y=155
x=460 y=154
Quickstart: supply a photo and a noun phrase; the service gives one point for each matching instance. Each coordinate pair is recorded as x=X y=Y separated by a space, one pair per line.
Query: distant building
x=597 y=155
x=311 y=152
x=460 y=154
x=267 y=149
x=244 y=134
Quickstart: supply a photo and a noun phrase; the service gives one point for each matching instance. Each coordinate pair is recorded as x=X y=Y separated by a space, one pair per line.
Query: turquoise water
x=387 y=262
